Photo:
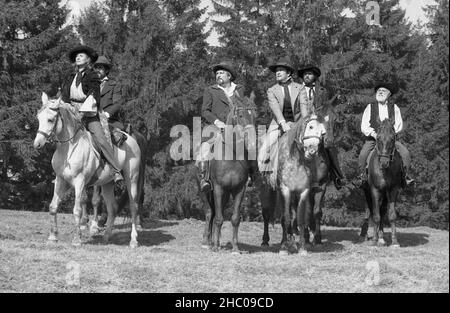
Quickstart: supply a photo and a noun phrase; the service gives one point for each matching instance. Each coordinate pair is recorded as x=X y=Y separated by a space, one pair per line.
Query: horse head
x=243 y=118
x=51 y=117
x=385 y=144
x=306 y=136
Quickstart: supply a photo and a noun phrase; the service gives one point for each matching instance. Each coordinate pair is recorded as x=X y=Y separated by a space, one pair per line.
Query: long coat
x=215 y=103
x=111 y=101
x=89 y=82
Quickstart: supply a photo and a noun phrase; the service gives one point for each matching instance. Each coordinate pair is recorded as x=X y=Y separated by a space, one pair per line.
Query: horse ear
x=44 y=98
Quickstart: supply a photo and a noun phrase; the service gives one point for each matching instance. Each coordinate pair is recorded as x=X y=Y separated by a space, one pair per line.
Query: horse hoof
x=235 y=252
x=395 y=245
x=134 y=244
x=94 y=231
x=303 y=252
x=283 y=252
x=205 y=246
x=265 y=244
x=52 y=239
x=381 y=243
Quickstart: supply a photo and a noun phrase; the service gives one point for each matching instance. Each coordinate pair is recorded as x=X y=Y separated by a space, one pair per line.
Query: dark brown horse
x=297 y=150
x=384 y=183
x=229 y=175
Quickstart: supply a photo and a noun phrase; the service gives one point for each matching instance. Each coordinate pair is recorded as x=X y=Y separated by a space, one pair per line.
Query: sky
x=414 y=11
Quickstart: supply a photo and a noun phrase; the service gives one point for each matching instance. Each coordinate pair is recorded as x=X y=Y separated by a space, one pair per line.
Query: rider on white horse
x=81 y=84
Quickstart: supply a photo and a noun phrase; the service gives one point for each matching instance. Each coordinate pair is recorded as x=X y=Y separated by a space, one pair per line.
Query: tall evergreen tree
x=33 y=51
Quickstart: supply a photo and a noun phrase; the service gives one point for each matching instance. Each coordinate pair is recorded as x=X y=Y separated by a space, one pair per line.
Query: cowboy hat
x=85 y=49
x=389 y=86
x=283 y=62
x=227 y=66
x=102 y=60
x=309 y=68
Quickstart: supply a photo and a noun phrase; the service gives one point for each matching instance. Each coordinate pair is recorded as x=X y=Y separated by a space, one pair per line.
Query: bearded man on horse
x=372 y=116
x=320 y=100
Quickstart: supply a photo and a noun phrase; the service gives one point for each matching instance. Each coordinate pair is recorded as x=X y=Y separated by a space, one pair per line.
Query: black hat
x=389 y=86
x=102 y=60
x=310 y=68
x=227 y=66
x=88 y=50
x=283 y=62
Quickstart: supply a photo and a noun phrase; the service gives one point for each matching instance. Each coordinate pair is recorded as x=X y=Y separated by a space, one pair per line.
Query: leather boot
x=205 y=185
x=338 y=177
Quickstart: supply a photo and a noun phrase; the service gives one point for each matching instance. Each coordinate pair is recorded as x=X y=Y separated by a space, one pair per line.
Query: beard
x=381 y=98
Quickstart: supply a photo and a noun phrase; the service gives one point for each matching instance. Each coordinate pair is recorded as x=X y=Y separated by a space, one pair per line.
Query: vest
x=374 y=115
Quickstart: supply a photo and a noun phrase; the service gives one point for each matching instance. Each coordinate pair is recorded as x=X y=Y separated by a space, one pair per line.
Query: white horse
x=77 y=164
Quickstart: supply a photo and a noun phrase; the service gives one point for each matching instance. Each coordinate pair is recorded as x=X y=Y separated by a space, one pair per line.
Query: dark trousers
x=369 y=145
x=95 y=127
x=336 y=171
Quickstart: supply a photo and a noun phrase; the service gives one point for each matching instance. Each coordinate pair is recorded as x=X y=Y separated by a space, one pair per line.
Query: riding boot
x=337 y=174
x=407 y=179
x=252 y=173
x=205 y=185
x=360 y=179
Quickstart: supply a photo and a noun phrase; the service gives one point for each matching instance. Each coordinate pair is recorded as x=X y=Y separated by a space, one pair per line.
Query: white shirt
x=312 y=93
x=383 y=113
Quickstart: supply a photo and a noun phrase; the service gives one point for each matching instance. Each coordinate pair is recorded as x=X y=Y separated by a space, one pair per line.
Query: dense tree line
x=162 y=60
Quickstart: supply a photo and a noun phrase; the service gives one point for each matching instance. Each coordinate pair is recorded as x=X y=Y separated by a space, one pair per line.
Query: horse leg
x=286 y=242
x=376 y=202
x=133 y=192
x=318 y=202
x=206 y=241
x=84 y=215
x=61 y=187
x=301 y=219
x=392 y=198
x=219 y=202
x=111 y=206
x=268 y=202
x=78 y=209
x=367 y=221
x=236 y=217
x=96 y=202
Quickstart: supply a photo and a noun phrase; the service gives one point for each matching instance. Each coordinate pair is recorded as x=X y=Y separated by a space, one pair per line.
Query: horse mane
x=386 y=126
x=294 y=139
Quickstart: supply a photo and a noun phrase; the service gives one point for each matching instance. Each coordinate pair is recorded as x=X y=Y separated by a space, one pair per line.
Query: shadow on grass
x=146 y=238
x=275 y=248
x=409 y=239
x=147 y=224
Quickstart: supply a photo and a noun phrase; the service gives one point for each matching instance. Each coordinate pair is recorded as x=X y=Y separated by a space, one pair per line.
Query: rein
x=390 y=155
x=52 y=137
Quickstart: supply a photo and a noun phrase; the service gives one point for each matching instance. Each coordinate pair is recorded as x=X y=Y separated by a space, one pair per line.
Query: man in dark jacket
x=217 y=102
x=110 y=98
x=319 y=99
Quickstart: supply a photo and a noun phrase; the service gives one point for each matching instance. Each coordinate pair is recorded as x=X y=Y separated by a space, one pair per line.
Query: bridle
x=312 y=136
x=51 y=137
x=390 y=156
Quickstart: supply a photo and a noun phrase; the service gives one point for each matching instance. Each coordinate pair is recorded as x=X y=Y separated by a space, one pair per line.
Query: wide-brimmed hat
x=227 y=66
x=283 y=62
x=309 y=68
x=389 y=86
x=88 y=50
x=102 y=60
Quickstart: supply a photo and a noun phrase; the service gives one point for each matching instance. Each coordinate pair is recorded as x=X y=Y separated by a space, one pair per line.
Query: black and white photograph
x=224 y=153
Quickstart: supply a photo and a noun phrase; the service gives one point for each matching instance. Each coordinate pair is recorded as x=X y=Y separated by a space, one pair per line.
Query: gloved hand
x=285 y=126
x=219 y=124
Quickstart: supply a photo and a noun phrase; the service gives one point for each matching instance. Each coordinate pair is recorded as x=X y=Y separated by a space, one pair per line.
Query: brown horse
x=229 y=175
x=297 y=150
x=384 y=183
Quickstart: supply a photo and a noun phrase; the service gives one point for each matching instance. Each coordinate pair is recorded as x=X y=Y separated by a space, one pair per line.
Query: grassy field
x=170 y=259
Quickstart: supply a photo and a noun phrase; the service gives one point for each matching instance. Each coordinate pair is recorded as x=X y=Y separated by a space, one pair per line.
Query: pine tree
x=33 y=56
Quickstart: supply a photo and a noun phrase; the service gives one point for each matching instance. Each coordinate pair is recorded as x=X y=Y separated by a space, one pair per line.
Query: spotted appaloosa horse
x=384 y=182
x=290 y=192
x=76 y=164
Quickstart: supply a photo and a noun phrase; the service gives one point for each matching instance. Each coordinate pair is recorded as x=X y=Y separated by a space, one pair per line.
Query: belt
x=75 y=100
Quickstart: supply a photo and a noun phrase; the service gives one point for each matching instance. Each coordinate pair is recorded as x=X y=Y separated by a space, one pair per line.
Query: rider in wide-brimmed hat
x=217 y=102
x=110 y=98
x=321 y=102
x=372 y=116
x=76 y=90
x=287 y=101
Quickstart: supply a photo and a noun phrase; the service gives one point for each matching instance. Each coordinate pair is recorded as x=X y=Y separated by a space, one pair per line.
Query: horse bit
x=48 y=136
